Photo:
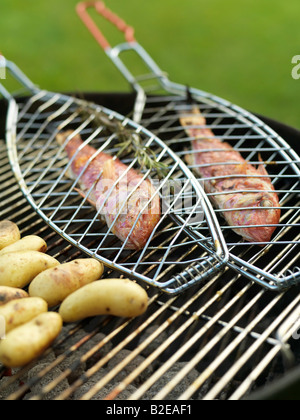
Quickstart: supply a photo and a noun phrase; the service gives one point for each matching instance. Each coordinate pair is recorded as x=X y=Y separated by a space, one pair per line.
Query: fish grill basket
x=176 y=256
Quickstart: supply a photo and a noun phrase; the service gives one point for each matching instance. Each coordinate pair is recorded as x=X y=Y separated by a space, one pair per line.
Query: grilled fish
x=245 y=194
x=128 y=203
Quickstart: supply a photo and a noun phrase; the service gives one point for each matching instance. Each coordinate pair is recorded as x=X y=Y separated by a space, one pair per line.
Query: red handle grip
x=100 y=7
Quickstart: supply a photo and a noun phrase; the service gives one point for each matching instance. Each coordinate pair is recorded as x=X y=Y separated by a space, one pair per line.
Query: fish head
x=259 y=211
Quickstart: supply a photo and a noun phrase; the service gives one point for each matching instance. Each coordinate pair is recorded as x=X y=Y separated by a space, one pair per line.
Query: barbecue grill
x=222 y=340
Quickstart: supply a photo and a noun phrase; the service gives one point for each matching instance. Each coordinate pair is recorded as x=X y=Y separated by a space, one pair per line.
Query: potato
x=10 y=293
x=119 y=297
x=9 y=233
x=19 y=311
x=27 y=342
x=28 y=243
x=18 y=269
x=55 y=284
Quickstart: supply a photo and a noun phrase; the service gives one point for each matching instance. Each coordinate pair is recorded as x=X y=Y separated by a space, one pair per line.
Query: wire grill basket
x=159 y=102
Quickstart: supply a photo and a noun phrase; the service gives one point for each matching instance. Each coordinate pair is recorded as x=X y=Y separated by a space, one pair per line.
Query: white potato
x=18 y=269
x=28 y=243
x=55 y=284
x=18 y=312
x=10 y=293
x=27 y=342
x=118 y=297
x=9 y=233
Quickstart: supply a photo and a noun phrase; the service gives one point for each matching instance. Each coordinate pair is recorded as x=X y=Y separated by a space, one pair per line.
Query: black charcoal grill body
x=227 y=339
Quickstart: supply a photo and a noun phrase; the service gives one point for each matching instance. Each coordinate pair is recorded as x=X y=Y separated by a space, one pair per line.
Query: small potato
x=18 y=269
x=30 y=340
x=10 y=293
x=119 y=297
x=55 y=284
x=28 y=243
x=19 y=311
x=9 y=233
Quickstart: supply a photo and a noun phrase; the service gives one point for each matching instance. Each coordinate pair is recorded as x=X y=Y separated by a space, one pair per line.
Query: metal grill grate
x=220 y=341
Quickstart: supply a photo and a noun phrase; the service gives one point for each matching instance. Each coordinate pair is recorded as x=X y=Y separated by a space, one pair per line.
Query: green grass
x=239 y=50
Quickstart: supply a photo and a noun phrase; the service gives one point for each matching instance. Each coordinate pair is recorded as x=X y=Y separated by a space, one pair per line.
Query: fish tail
x=195 y=125
x=61 y=137
x=261 y=168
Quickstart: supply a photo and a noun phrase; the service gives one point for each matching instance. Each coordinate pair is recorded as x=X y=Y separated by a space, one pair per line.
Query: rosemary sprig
x=129 y=141
x=145 y=156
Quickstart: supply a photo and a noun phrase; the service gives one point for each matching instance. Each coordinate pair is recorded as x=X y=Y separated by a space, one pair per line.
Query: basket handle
x=17 y=74
x=114 y=53
x=101 y=8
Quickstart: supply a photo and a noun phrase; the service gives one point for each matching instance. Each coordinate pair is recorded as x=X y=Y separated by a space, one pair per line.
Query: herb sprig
x=129 y=140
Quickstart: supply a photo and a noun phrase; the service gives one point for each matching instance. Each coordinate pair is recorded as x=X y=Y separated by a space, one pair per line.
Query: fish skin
x=224 y=170
x=99 y=173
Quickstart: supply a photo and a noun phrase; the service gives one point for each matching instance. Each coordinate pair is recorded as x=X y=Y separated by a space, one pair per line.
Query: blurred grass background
x=239 y=50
